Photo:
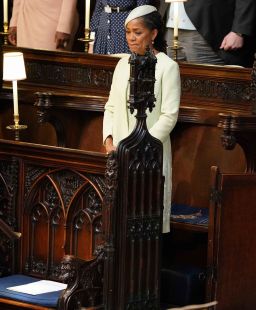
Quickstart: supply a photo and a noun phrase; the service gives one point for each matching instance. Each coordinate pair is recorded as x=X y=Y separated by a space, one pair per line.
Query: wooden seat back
x=54 y=198
x=195 y=148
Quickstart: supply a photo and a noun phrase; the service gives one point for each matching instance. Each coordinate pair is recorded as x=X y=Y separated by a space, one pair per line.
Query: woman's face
x=138 y=36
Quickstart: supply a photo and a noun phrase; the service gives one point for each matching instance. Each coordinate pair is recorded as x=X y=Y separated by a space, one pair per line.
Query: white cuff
x=92 y=35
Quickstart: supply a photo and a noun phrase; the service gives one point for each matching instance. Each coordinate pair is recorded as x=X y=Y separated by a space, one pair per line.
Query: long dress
x=119 y=123
x=109 y=27
x=37 y=22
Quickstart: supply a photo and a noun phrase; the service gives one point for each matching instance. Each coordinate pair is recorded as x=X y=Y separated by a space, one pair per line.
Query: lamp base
x=175 y=48
x=86 y=39
x=5 y=33
x=175 y=52
x=17 y=127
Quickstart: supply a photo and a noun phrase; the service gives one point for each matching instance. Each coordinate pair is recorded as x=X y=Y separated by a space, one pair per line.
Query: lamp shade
x=13 y=66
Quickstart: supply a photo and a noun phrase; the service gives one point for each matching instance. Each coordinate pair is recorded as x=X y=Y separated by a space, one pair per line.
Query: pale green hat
x=140 y=11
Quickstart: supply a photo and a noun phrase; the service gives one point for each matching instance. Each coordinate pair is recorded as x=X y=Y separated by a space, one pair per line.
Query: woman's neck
x=155 y=52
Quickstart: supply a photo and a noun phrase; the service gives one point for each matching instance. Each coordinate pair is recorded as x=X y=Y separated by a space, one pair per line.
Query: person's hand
x=232 y=41
x=109 y=145
x=62 y=39
x=12 y=36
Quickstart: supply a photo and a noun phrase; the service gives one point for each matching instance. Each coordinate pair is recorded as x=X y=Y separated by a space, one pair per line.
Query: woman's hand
x=109 y=145
x=12 y=36
x=62 y=39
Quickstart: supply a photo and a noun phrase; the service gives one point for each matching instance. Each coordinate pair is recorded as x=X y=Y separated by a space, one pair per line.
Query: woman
x=107 y=25
x=144 y=28
x=49 y=25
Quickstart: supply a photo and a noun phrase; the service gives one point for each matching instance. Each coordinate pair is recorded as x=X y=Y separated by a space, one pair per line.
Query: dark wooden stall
x=62 y=102
x=79 y=221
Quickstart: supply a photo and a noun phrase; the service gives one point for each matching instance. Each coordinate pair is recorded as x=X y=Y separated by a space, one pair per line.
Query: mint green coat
x=118 y=122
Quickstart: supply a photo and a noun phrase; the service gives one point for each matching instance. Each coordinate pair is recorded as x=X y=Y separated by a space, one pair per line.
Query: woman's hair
x=154 y=21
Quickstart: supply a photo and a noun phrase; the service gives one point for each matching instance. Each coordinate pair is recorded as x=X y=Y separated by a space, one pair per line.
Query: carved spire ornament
x=138 y=204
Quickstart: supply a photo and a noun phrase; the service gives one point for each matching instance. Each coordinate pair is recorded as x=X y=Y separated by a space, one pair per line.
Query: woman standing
x=144 y=28
x=107 y=25
x=49 y=25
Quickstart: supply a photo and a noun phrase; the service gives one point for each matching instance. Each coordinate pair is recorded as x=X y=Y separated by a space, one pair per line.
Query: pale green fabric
x=118 y=122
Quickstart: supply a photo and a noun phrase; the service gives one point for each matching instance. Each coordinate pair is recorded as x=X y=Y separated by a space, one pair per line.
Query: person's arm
x=66 y=17
x=243 y=25
x=170 y=103
x=109 y=112
x=12 y=37
x=65 y=23
x=244 y=17
x=15 y=13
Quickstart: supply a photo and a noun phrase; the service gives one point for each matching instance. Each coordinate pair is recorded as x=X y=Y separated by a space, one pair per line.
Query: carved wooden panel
x=225 y=90
x=8 y=189
x=62 y=213
x=68 y=75
x=138 y=203
x=54 y=197
x=8 y=193
x=6 y=255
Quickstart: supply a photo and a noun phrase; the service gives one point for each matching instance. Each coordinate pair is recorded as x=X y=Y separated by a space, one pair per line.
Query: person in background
x=215 y=31
x=47 y=24
x=106 y=25
x=144 y=28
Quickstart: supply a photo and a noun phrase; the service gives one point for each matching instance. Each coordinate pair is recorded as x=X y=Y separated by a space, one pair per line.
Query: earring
x=153 y=42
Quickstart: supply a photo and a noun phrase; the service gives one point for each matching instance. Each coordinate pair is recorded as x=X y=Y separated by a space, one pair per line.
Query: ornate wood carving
x=214 y=89
x=64 y=199
x=240 y=129
x=138 y=205
x=66 y=74
x=85 y=281
x=9 y=170
x=253 y=88
x=110 y=229
x=59 y=208
x=210 y=90
x=44 y=104
x=8 y=190
x=6 y=254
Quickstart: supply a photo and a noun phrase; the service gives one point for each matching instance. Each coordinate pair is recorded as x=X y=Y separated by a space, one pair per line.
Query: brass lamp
x=87 y=38
x=14 y=70
x=175 y=46
x=5 y=22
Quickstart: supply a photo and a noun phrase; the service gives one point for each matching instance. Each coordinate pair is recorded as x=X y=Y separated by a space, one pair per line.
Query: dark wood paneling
x=75 y=88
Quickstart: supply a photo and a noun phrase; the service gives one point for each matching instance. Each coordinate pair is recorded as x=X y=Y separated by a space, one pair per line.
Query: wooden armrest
x=7 y=230
x=84 y=280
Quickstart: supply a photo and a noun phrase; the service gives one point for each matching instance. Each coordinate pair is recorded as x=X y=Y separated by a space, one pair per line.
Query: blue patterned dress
x=109 y=27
